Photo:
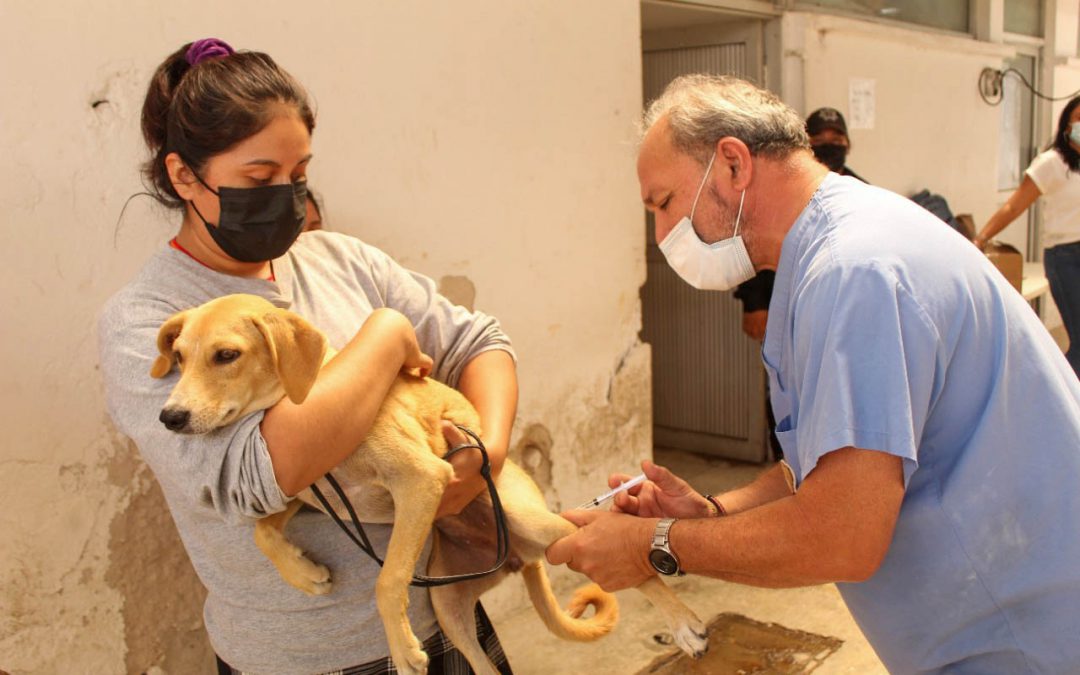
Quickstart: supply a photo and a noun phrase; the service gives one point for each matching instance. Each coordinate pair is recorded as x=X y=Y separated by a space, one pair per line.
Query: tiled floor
x=632 y=646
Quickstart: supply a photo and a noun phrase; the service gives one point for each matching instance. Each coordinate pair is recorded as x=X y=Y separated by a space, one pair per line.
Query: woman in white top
x=1054 y=175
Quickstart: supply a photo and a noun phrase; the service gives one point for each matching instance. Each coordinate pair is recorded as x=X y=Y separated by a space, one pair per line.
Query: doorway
x=708 y=380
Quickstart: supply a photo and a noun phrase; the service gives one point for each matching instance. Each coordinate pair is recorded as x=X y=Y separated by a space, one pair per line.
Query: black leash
x=502 y=535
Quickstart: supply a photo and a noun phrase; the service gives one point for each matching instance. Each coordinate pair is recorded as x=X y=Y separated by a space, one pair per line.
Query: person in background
x=313 y=219
x=754 y=296
x=1053 y=175
x=229 y=135
x=931 y=427
x=829 y=140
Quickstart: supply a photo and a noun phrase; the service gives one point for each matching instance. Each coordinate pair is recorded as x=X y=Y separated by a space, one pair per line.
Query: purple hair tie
x=208 y=48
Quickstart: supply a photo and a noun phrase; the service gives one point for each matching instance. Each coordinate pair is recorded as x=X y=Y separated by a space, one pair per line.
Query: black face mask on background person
x=260 y=223
x=832 y=155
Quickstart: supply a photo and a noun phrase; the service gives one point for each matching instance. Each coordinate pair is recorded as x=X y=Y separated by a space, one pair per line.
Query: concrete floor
x=632 y=646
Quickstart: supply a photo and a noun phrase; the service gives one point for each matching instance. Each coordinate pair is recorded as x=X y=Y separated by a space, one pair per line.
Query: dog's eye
x=226 y=355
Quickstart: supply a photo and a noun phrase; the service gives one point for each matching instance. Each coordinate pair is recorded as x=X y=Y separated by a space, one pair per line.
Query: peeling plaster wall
x=487 y=144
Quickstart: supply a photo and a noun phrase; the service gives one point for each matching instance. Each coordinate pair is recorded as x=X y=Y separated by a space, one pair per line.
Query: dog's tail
x=568 y=624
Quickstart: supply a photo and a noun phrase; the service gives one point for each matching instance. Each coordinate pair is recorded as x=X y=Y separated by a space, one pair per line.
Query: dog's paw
x=318 y=580
x=307 y=576
x=414 y=660
x=692 y=638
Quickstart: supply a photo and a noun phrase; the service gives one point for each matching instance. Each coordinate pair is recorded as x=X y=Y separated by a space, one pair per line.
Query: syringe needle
x=597 y=501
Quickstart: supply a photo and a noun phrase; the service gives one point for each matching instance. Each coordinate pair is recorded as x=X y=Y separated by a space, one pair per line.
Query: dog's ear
x=165 y=338
x=297 y=349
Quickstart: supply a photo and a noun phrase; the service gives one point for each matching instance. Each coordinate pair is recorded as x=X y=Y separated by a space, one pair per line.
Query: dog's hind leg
x=454 y=606
x=291 y=564
x=416 y=497
x=455 y=551
x=688 y=630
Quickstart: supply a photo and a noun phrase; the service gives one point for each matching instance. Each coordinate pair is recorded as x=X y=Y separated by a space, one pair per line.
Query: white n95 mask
x=720 y=266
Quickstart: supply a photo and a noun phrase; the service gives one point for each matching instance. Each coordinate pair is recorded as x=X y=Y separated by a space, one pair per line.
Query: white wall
x=478 y=138
x=931 y=129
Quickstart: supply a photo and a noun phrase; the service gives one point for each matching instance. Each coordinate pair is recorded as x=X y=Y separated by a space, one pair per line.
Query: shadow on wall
x=533 y=453
x=163 y=598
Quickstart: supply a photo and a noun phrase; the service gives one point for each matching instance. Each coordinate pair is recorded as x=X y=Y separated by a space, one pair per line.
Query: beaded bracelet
x=720 y=510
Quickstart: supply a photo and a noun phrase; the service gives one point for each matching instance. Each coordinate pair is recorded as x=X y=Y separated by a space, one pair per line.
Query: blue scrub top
x=888 y=331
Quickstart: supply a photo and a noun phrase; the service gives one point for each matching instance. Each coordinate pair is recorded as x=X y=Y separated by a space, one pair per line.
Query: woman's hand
x=415 y=361
x=489 y=382
x=391 y=326
x=664 y=495
x=467 y=482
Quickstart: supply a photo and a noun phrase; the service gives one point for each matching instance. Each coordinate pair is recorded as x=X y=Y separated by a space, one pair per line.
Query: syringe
x=597 y=501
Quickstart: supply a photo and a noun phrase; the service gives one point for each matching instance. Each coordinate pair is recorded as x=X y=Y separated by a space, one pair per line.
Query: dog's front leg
x=416 y=498
x=291 y=564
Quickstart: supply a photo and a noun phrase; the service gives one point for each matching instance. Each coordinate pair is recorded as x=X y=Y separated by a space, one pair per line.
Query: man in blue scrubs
x=930 y=425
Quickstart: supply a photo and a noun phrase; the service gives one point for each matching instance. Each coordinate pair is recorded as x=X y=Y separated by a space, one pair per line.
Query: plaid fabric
x=445 y=659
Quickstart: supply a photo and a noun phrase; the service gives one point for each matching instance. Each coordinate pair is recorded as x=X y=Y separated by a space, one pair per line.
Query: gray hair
x=701 y=109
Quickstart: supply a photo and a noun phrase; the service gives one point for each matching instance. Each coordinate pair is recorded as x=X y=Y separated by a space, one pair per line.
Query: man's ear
x=167 y=334
x=297 y=349
x=733 y=156
x=183 y=178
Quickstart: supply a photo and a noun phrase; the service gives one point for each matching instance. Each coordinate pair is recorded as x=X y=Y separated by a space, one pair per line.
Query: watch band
x=660 y=534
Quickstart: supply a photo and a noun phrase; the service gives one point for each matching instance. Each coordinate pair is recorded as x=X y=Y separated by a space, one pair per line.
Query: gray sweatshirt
x=219 y=483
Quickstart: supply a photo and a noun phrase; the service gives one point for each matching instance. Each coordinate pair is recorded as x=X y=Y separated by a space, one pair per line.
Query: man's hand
x=664 y=495
x=467 y=482
x=753 y=323
x=612 y=549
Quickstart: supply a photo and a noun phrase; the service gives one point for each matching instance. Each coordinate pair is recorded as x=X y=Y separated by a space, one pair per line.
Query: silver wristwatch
x=661 y=557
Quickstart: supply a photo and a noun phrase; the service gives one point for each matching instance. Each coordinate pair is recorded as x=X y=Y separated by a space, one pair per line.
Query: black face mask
x=832 y=155
x=260 y=223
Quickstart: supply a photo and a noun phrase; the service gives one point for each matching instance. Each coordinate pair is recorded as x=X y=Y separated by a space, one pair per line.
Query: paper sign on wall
x=860 y=103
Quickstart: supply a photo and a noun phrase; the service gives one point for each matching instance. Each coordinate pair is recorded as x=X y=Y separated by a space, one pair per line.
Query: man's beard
x=727 y=214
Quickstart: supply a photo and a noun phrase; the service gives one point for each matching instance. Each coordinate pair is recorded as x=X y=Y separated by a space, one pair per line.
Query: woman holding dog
x=1054 y=175
x=230 y=140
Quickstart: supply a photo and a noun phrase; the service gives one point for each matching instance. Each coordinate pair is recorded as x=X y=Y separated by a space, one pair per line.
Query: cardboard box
x=1008 y=261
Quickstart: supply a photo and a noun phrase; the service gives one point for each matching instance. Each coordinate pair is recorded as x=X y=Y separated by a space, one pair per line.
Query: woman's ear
x=183 y=179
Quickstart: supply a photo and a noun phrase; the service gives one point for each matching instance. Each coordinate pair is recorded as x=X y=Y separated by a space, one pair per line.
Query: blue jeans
x=1062 y=265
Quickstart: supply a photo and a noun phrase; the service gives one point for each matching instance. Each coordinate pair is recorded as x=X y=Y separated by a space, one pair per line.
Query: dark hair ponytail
x=1061 y=138
x=203 y=110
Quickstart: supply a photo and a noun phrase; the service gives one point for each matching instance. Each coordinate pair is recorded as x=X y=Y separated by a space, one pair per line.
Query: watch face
x=663 y=562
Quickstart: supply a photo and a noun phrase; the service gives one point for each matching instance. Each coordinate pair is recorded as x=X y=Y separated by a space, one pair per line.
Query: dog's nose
x=174 y=419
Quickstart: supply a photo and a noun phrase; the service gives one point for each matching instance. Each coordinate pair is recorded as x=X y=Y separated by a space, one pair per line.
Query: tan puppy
x=239 y=354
